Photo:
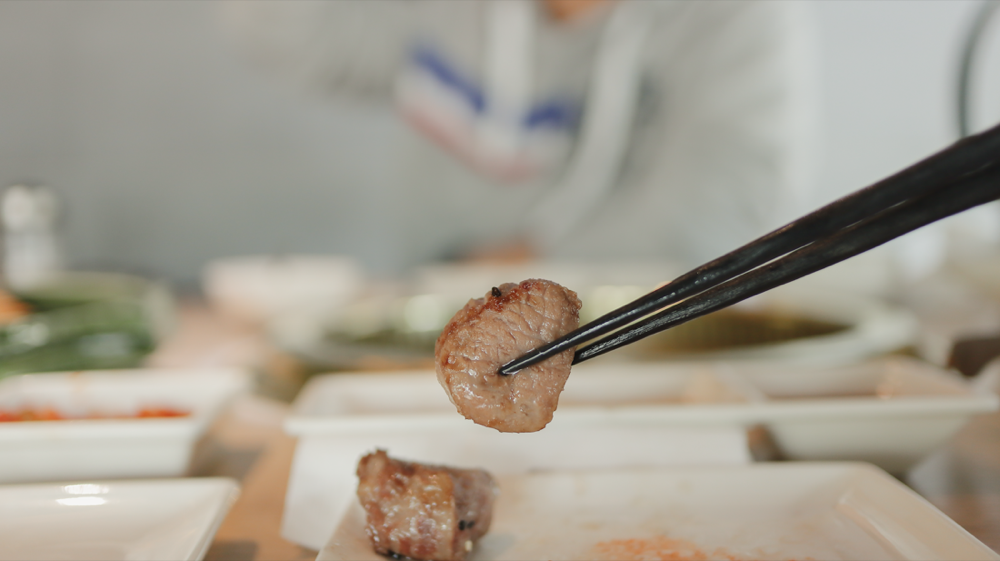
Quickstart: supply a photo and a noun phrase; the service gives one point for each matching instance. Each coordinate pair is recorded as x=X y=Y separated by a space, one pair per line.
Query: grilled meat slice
x=422 y=511
x=490 y=331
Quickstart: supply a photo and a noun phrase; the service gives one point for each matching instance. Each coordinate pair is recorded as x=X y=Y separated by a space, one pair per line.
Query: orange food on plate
x=40 y=414
x=51 y=414
x=157 y=412
x=662 y=548
x=11 y=308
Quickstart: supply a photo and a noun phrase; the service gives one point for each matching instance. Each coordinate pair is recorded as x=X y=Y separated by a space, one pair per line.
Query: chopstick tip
x=506 y=370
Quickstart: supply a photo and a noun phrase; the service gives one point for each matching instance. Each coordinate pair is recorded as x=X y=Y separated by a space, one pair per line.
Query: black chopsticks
x=962 y=176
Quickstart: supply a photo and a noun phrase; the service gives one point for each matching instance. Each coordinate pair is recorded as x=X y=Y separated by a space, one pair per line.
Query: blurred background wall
x=169 y=149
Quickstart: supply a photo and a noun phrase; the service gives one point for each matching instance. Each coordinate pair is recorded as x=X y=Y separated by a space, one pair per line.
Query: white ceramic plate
x=152 y=520
x=891 y=412
x=765 y=511
x=400 y=330
x=110 y=448
x=256 y=289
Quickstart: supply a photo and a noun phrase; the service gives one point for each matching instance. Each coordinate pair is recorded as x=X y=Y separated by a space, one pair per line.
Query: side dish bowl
x=790 y=325
x=114 y=442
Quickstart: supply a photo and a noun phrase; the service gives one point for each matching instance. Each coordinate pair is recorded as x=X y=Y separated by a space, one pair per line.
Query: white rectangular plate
x=152 y=520
x=340 y=418
x=889 y=411
x=819 y=511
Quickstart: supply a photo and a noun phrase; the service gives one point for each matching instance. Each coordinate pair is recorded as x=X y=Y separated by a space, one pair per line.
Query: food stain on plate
x=662 y=548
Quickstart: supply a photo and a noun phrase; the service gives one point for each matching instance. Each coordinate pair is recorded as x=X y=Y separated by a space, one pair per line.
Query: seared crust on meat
x=490 y=331
x=422 y=511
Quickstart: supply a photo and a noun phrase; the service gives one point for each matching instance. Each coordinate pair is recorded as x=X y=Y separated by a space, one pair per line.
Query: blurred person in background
x=593 y=129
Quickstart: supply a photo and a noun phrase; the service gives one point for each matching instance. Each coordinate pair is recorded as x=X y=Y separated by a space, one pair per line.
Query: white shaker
x=31 y=249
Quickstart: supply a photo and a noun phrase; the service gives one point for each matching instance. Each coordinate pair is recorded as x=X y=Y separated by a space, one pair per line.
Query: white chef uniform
x=671 y=130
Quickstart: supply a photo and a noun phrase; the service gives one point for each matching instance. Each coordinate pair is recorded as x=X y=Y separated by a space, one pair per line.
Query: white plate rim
x=225 y=490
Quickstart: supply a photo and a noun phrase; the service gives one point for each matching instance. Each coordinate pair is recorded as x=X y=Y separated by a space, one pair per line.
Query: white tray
x=624 y=416
x=339 y=418
x=889 y=411
x=154 y=520
x=820 y=511
x=110 y=448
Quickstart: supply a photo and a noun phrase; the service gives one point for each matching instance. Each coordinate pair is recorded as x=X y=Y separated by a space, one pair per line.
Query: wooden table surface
x=963 y=479
x=251 y=531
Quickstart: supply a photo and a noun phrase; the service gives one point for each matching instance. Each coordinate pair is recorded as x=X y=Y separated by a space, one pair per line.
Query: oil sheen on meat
x=490 y=331
x=422 y=511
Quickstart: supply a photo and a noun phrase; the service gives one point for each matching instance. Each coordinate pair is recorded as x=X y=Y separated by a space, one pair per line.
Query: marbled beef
x=487 y=333
x=422 y=511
